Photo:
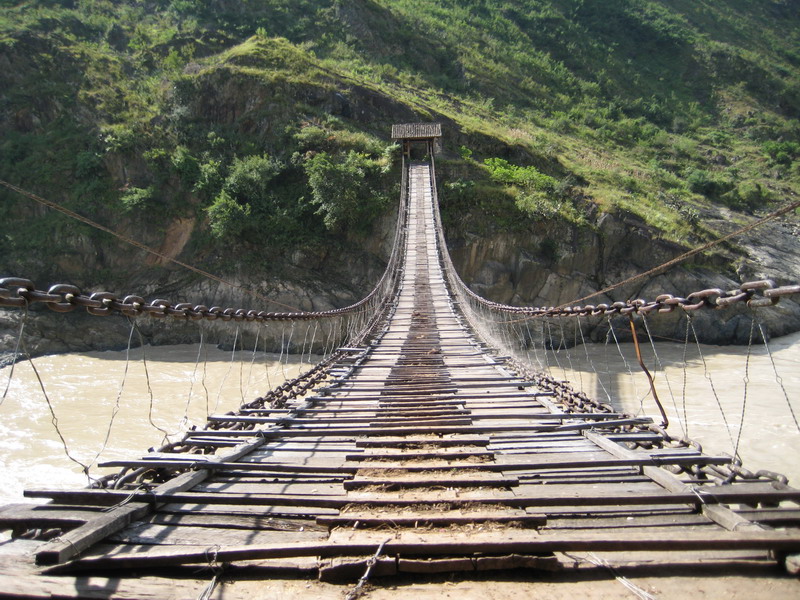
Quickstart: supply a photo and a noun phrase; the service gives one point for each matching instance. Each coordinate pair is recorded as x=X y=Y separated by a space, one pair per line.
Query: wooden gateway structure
x=422 y=452
x=419 y=136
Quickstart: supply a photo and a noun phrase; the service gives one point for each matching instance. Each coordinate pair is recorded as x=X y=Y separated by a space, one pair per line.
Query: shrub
x=227 y=217
x=186 y=166
x=250 y=179
x=782 y=153
x=340 y=191
x=528 y=177
x=702 y=182
x=134 y=198
x=209 y=177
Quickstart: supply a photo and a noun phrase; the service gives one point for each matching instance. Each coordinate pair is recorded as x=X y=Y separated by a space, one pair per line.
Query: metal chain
x=19 y=292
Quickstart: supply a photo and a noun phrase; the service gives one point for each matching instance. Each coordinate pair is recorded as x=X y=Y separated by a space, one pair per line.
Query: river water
x=175 y=387
x=726 y=398
x=110 y=407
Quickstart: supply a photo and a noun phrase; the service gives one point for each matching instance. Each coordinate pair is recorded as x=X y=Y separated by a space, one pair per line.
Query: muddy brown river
x=109 y=408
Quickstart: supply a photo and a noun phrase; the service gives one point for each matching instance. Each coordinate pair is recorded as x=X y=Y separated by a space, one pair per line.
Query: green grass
x=653 y=107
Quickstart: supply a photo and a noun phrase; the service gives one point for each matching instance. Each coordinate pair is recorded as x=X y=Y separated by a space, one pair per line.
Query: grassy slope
x=656 y=108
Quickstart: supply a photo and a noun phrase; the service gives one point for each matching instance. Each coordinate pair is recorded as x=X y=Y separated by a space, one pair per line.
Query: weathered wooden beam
x=94 y=530
x=409 y=416
x=73 y=542
x=578 y=497
x=410 y=430
x=719 y=514
x=537 y=544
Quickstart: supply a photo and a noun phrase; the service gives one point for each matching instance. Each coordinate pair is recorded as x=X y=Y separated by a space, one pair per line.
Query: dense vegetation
x=265 y=123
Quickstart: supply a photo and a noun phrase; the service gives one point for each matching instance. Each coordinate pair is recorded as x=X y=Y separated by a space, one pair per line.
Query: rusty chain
x=19 y=292
x=63 y=298
x=754 y=294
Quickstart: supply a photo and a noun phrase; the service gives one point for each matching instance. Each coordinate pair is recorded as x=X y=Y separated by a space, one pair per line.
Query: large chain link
x=754 y=294
x=17 y=292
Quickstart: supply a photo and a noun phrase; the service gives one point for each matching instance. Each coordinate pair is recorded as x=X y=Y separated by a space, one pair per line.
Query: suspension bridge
x=414 y=447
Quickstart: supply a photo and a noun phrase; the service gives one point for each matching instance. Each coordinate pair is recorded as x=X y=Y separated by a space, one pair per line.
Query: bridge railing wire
x=549 y=345
x=328 y=335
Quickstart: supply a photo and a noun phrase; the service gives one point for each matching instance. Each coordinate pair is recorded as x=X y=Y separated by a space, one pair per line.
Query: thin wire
x=288 y=349
x=194 y=374
x=228 y=372
x=707 y=375
x=627 y=366
x=116 y=408
x=746 y=380
x=554 y=349
x=685 y=375
x=20 y=333
x=132 y=242
x=149 y=387
x=266 y=363
x=575 y=345
x=313 y=339
x=594 y=369
x=678 y=259
x=569 y=354
x=53 y=417
x=303 y=348
x=206 y=393
x=778 y=378
x=660 y=365
x=252 y=361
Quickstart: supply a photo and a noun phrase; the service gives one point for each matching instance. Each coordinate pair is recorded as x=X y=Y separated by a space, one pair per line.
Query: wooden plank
x=43 y=516
x=719 y=514
x=413 y=417
x=442 y=430
x=424 y=518
x=422 y=441
x=73 y=542
x=338 y=467
x=82 y=537
x=149 y=534
x=449 y=480
x=533 y=544
x=253 y=521
x=544 y=497
x=411 y=455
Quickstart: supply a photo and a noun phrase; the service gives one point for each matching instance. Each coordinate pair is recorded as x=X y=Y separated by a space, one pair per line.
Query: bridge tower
x=413 y=135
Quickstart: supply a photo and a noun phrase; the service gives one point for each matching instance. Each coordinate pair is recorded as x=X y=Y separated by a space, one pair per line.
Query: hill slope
x=257 y=132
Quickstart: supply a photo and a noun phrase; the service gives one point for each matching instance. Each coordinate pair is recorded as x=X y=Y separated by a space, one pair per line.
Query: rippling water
x=174 y=388
x=724 y=397
x=182 y=384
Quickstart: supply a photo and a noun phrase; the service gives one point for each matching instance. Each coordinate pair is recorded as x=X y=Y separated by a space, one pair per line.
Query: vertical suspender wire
x=150 y=394
x=20 y=333
x=266 y=360
x=252 y=361
x=185 y=419
x=685 y=376
x=707 y=375
x=228 y=372
x=53 y=417
x=590 y=362
x=116 y=406
x=778 y=378
x=746 y=381
x=660 y=365
x=627 y=366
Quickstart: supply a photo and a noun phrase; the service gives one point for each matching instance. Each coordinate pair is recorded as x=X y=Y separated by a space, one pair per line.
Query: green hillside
x=261 y=127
